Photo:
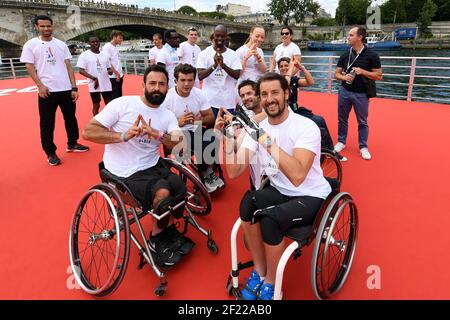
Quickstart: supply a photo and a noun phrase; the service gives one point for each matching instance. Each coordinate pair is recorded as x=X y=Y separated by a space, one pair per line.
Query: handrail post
x=12 y=68
x=126 y=67
x=145 y=62
x=330 y=72
x=411 y=79
x=134 y=65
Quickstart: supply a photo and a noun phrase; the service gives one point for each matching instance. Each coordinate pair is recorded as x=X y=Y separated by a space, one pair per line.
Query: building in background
x=234 y=9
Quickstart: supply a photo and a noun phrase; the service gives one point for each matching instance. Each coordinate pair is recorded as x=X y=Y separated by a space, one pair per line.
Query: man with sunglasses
x=168 y=56
x=285 y=49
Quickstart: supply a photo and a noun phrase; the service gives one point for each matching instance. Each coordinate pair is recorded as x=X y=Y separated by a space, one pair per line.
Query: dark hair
x=192 y=29
x=42 y=17
x=245 y=83
x=116 y=33
x=167 y=33
x=361 y=32
x=289 y=28
x=70 y=46
x=271 y=76
x=156 y=68
x=158 y=35
x=288 y=60
x=184 y=68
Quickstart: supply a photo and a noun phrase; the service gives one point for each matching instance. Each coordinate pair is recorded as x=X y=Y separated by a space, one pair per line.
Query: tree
x=352 y=11
x=426 y=17
x=187 y=10
x=443 y=12
x=286 y=10
x=394 y=11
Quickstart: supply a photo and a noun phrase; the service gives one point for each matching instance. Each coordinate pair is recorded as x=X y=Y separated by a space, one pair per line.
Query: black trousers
x=116 y=87
x=47 y=113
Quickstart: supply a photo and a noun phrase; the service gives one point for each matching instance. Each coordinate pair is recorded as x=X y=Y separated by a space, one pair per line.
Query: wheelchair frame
x=321 y=233
x=121 y=204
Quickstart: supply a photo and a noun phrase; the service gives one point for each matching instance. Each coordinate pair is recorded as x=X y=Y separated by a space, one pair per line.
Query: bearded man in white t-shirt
x=287 y=146
x=132 y=129
x=194 y=115
x=47 y=60
x=219 y=68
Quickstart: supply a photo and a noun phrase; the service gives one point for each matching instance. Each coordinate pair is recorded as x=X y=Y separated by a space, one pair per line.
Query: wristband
x=124 y=137
x=74 y=89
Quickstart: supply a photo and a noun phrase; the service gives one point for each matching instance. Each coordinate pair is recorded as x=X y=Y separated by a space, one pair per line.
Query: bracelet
x=212 y=68
x=74 y=89
x=124 y=137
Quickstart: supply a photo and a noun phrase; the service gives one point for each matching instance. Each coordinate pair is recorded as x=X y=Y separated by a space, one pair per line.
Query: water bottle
x=353 y=74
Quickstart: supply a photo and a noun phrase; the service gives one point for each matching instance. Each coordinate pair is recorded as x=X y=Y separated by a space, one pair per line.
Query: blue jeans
x=346 y=100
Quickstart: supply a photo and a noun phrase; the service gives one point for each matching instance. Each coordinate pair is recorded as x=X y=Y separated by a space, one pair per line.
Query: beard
x=277 y=113
x=156 y=97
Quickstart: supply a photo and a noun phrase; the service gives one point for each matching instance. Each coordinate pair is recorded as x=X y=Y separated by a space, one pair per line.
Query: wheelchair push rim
x=331 y=166
x=198 y=198
x=335 y=246
x=99 y=241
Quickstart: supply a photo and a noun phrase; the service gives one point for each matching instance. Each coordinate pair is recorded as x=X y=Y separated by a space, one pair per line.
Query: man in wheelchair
x=194 y=115
x=132 y=129
x=288 y=147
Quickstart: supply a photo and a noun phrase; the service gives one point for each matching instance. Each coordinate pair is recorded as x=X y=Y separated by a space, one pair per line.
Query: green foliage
x=187 y=10
x=426 y=17
x=217 y=15
x=324 y=22
x=287 y=10
x=352 y=12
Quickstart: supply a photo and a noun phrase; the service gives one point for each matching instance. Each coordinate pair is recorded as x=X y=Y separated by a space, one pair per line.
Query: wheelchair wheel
x=331 y=166
x=334 y=247
x=100 y=241
x=199 y=201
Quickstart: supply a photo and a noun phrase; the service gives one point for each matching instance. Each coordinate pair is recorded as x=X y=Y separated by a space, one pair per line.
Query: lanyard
x=350 y=56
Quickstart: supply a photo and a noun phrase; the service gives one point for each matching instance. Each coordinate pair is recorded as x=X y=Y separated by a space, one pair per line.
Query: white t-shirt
x=188 y=53
x=48 y=58
x=153 y=53
x=96 y=64
x=251 y=68
x=113 y=54
x=169 y=57
x=288 y=51
x=219 y=87
x=295 y=132
x=139 y=153
x=195 y=102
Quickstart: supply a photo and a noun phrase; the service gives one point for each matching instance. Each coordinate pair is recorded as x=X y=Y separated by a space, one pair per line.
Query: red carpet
x=402 y=196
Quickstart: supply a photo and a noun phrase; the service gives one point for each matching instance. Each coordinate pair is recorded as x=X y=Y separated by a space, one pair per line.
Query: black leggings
x=278 y=213
x=327 y=141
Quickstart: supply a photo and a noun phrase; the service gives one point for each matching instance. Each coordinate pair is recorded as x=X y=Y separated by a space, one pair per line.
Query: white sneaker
x=339 y=147
x=218 y=182
x=210 y=184
x=365 y=154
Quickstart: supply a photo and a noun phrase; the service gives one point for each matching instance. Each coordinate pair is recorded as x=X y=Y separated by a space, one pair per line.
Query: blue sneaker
x=251 y=289
x=266 y=291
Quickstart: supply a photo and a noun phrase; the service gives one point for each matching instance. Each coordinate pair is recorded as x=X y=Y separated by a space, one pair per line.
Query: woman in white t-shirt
x=285 y=49
x=252 y=56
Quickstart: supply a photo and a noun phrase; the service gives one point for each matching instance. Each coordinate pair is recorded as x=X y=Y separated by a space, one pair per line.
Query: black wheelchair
x=334 y=234
x=100 y=232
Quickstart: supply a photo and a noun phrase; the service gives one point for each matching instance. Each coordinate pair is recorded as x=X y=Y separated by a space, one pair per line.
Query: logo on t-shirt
x=99 y=66
x=51 y=58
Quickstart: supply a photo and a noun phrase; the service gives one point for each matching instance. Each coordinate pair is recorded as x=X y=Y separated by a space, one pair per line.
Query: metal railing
x=407 y=78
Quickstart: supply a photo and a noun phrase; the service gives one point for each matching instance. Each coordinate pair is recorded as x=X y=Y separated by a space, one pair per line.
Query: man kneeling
x=287 y=146
x=132 y=129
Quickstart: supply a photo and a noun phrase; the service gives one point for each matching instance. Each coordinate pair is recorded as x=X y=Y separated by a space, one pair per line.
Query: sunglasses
x=285 y=33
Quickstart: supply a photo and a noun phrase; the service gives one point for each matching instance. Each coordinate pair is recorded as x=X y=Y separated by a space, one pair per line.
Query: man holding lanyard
x=357 y=69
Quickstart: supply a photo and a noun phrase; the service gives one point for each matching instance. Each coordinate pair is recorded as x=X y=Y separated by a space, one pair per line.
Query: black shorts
x=95 y=96
x=145 y=183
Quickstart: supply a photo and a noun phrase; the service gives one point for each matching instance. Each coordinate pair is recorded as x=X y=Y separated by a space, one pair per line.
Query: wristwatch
x=268 y=142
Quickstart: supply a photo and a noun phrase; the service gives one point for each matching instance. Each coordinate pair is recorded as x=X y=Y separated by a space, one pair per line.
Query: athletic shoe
x=339 y=147
x=251 y=289
x=180 y=242
x=162 y=252
x=77 y=148
x=210 y=183
x=340 y=157
x=217 y=181
x=53 y=159
x=365 y=154
x=266 y=292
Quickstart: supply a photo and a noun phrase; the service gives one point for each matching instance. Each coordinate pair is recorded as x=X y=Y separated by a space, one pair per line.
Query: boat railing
x=406 y=78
